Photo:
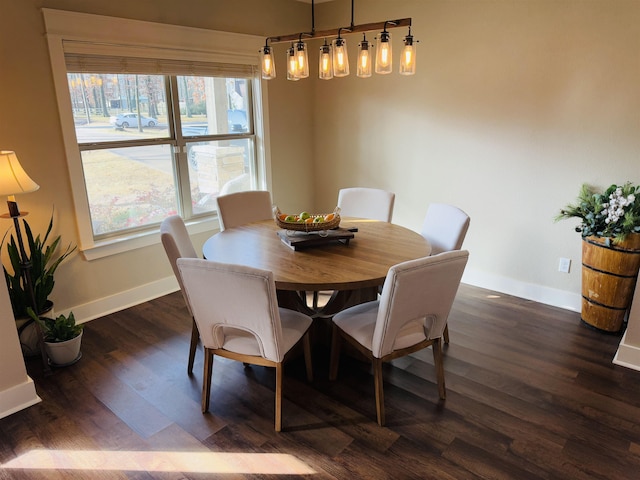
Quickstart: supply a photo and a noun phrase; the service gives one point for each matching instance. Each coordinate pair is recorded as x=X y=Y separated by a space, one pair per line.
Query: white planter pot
x=66 y=353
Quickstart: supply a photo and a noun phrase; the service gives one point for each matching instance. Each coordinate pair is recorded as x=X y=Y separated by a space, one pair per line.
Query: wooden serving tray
x=298 y=240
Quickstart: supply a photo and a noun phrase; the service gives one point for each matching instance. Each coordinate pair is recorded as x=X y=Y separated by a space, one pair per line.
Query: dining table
x=352 y=268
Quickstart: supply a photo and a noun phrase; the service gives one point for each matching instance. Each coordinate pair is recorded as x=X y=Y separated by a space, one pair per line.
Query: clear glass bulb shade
x=408 y=60
x=302 y=59
x=384 y=60
x=292 y=65
x=340 y=58
x=364 y=60
x=268 y=65
x=325 y=63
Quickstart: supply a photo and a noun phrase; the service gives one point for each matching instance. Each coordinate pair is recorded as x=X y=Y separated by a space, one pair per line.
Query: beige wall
x=515 y=104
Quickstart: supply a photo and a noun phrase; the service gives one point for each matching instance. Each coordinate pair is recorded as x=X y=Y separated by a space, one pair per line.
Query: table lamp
x=14 y=180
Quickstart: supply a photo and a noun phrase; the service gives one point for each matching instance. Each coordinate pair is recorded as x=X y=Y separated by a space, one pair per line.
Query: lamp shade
x=13 y=178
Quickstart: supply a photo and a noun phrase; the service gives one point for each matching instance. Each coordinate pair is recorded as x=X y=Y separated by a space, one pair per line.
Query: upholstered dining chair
x=445 y=227
x=363 y=202
x=244 y=207
x=237 y=313
x=410 y=315
x=177 y=244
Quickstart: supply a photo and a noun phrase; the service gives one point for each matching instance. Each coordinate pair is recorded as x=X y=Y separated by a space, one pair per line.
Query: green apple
x=318 y=220
x=290 y=218
x=304 y=215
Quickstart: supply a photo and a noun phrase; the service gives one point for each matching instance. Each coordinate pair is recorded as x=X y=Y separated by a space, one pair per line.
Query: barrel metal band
x=613 y=247
x=622 y=309
x=608 y=273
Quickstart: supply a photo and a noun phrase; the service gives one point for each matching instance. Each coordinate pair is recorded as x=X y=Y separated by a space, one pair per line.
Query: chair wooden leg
x=446 y=334
x=307 y=356
x=195 y=335
x=377 y=380
x=278 y=397
x=206 y=379
x=335 y=353
x=437 y=360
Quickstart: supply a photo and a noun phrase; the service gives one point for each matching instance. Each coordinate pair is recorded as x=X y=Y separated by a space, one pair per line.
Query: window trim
x=87 y=33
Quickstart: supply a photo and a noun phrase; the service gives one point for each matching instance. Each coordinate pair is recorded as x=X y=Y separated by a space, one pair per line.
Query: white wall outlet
x=564 y=265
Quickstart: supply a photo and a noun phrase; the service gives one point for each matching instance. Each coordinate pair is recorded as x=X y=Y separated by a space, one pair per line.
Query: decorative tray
x=310 y=223
x=298 y=240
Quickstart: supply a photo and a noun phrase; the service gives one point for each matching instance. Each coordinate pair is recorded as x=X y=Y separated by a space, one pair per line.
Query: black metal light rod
x=403 y=22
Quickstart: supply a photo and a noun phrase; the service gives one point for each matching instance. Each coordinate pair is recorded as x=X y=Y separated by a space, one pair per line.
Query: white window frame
x=73 y=32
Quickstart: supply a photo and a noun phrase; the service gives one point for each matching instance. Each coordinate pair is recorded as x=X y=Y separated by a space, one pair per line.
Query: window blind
x=87 y=63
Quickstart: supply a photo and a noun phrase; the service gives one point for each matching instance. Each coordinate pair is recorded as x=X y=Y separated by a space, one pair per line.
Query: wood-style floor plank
x=531 y=394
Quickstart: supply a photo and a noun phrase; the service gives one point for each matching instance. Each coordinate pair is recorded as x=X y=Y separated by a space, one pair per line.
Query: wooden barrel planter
x=609 y=274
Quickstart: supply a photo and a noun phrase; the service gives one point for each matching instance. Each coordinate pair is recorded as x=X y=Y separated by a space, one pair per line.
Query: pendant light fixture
x=340 y=57
x=292 y=64
x=268 y=64
x=408 y=57
x=336 y=50
x=384 y=60
x=302 y=59
x=325 y=64
x=364 y=58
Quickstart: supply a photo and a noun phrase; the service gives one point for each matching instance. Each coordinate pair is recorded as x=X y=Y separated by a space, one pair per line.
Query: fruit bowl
x=313 y=223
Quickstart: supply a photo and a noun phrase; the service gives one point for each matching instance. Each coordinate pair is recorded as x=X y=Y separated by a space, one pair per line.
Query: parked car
x=124 y=120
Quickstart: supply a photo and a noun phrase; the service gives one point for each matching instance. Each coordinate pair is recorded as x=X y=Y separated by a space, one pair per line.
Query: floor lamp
x=14 y=180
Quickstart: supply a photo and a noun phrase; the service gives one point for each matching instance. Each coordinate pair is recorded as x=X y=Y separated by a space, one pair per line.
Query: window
x=156 y=120
x=131 y=129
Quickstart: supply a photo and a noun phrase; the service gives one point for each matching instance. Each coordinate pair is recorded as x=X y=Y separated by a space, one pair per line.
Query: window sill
x=115 y=246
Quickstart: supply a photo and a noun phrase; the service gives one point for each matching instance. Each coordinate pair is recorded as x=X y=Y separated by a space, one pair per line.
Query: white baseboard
x=143 y=293
x=627 y=355
x=537 y=293
x=120 y=301
x=18 y=397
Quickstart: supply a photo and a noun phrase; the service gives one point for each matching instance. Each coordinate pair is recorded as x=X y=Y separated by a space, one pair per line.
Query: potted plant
x=62 y=338
x=610 y=229
x=45 y=259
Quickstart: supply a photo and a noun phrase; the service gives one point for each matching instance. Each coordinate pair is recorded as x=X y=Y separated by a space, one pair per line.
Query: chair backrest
x=244 y=207
x=417 y=294
x=224 y=296
x=445 y=227
x=366 y=203
x=177 y=244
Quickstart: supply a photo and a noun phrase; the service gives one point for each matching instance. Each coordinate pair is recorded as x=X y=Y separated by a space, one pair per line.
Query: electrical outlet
x=564 y=265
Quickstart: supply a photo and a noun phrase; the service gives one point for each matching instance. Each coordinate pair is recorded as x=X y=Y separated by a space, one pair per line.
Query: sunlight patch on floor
x=191 y=462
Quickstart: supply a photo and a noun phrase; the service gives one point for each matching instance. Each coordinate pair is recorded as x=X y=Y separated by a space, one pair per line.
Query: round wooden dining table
x=353 y=270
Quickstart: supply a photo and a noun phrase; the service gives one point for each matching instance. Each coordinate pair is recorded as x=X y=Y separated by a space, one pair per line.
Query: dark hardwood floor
x=531 y=393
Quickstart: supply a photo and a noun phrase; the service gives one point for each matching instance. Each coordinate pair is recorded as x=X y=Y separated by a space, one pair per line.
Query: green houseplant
x=610 y=229
x=612 y=214
x=62 y=337
x=45 y=259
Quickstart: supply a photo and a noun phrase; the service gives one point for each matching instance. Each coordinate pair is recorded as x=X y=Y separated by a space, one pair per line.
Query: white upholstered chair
x=410 y=315
x=237 y=313
x=364 y=202
x=445 y=227
x=361 y=202
x=244 y=207
x=177 y=244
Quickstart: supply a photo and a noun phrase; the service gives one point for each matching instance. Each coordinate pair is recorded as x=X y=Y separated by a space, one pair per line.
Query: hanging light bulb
x=383 y=55
x=268 y=65
x=340 y=57
x=325 y=63
x=364 y=58
x=408 y=58
x=302 y=59
x=292 y=64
